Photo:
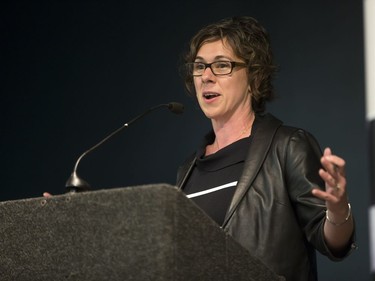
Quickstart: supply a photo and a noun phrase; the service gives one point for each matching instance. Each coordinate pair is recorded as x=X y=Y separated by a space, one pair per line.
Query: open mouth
x=209 y=96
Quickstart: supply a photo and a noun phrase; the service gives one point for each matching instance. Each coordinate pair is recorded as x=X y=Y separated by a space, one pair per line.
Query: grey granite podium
x=150 y=232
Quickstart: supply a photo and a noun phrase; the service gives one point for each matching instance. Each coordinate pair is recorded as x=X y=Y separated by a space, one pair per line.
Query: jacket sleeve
x=302 y=164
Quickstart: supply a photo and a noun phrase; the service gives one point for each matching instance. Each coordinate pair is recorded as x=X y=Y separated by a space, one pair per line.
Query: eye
x=222 y=64
x=199 y=66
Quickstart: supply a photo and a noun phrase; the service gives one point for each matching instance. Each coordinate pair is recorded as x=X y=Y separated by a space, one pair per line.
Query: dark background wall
x=72 y=72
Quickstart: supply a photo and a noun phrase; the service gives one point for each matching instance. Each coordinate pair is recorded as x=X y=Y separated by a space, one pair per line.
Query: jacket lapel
x=185 y=173
x=266 y=127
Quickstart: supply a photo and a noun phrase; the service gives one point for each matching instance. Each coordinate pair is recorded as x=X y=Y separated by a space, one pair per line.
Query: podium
x=150 y=232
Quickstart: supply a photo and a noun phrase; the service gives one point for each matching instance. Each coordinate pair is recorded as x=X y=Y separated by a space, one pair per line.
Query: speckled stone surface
x=150 y=232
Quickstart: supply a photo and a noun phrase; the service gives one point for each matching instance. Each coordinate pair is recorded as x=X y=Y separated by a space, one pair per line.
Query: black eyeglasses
x=218 y=68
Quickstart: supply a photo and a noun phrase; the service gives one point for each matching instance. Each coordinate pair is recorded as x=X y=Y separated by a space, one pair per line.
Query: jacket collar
x=266 y=127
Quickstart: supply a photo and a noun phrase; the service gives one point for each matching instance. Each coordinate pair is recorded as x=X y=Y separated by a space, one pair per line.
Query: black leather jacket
x=273 y=213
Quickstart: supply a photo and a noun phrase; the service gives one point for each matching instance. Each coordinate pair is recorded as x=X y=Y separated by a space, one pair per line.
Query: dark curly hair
x=250 y=42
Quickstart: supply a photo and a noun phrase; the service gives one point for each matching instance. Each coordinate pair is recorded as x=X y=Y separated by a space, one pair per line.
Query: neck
x=230 y=132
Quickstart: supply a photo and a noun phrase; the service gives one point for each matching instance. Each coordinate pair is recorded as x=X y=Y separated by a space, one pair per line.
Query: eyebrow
x=215 y=59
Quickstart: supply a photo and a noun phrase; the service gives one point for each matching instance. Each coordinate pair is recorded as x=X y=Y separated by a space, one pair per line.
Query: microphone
x=75 y=183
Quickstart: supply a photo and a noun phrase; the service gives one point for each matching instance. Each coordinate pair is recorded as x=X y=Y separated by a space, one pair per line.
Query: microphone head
x=176 y=107
x=76 y=184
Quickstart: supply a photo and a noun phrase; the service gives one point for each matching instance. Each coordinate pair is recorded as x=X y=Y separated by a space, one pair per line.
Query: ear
x=249 y=89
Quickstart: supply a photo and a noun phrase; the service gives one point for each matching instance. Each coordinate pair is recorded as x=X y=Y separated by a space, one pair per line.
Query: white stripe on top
x=200 y=193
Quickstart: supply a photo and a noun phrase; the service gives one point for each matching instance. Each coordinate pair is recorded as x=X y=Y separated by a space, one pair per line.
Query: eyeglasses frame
x=208 y=65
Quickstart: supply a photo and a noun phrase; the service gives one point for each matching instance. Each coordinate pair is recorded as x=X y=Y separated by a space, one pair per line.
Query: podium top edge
x=161 y=186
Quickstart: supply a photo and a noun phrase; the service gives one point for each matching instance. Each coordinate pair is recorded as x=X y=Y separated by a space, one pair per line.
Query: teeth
x=210 y=96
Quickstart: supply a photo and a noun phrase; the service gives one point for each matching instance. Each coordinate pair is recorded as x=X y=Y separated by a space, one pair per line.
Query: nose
x=207 y=75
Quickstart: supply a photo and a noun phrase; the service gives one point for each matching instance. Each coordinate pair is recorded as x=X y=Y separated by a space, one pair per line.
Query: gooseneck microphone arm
x=75 y=183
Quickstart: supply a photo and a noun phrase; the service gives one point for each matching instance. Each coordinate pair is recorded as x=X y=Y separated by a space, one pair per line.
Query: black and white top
x=214 y=178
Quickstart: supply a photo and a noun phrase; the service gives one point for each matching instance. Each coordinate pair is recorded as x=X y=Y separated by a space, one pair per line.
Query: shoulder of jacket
x=291 y=132
x=269 y=121
x=284 y=134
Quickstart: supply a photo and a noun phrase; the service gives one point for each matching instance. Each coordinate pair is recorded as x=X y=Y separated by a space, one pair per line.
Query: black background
x=74 y=71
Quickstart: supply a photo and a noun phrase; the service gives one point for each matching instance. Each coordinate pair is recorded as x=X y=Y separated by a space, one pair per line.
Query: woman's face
x=222 y=97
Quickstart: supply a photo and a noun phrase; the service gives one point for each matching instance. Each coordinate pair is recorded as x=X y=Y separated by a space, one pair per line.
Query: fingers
x=333 y=174
x=326 y=196
x=332 y=163
x=334 y=180
x=47 y=194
